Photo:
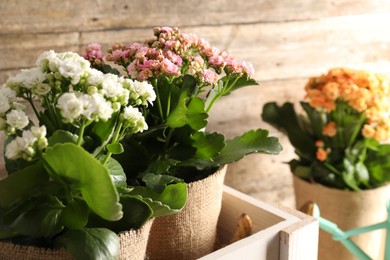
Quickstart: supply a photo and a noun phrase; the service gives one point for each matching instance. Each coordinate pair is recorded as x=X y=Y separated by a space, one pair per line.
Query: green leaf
x=117 y=173
x=82 y=172
x=75 y=215
x=208 y=145
x=90 y=243
x=378 y=165
x=170 y=201
x=22 y=184
x=61 y=136
x=250 y=142
x=178 y=115
x=286 y=120
x=37 y=217
x=115 y=148
x=243 y=81
x=101 y=133
x=135 y=213
x=197 y=117
x=158 y=182
x=317 y=119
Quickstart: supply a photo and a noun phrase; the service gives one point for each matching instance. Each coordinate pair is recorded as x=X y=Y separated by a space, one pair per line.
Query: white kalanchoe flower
x=104 y=107
x=41 y=89
x=17 y=119
x=133 y=119
x=27 y=78
x=47 y=61
x=7 y=92
x=94 y=77
x=4 y=104
x=72 y=66
x=70 y=107
x=90 y=107
x=26 y=146
x=15 y=148
x=141 y=93
x=111 y=87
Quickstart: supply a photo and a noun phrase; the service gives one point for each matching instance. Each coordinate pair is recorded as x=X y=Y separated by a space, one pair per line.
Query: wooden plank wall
x=287 y=41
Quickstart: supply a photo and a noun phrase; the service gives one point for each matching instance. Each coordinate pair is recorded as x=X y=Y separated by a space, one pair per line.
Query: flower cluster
x=172 y=53
x=365 y=93
x=70 y=92
x=342 y=140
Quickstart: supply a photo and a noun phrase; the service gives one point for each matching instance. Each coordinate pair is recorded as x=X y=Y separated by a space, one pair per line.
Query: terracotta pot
x=132 y=246
x=192 y=232
x=349 y=210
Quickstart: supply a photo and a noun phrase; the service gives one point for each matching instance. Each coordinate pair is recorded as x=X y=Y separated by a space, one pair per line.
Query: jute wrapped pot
x=349 y=210
x=192 y=232
x=132 y=246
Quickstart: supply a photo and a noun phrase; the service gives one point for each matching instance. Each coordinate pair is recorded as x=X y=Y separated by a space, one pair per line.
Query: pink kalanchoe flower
x=169 y=68
x=94 y=54
x=210 y=76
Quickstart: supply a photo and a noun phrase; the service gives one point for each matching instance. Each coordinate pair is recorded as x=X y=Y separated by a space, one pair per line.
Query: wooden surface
x=278 y=233
x=287 y=41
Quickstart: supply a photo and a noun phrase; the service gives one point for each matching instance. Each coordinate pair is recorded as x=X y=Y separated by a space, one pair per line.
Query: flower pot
x=132 y=246
x=192 y=232
x=349 y=210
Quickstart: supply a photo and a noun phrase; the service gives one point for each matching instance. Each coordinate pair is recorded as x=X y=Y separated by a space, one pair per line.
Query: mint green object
x=343 y=236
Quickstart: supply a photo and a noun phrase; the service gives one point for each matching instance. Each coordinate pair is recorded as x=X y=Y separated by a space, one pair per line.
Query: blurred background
x=286 y=41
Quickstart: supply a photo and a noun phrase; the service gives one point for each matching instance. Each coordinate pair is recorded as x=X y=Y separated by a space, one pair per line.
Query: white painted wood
x=277 y=233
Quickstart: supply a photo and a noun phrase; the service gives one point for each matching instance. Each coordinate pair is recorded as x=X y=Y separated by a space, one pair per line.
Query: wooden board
x=278 y=233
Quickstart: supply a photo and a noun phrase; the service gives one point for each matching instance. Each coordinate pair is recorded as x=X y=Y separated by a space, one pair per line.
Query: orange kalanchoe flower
x=363 y=91
x=321 y=154
x=330 y=129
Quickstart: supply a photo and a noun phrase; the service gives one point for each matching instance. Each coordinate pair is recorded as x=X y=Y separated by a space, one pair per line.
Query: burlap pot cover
x=349 y=210
x=132 y=246
x=192 y=232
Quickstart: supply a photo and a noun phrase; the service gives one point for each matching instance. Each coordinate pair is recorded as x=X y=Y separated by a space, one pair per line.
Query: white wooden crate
x=278 y=232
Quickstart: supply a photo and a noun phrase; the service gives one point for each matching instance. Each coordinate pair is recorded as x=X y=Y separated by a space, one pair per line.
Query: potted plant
x=188 y=76
x=64 y=191
x=342 y=144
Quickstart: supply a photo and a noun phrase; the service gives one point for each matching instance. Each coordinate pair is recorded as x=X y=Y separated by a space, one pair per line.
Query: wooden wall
x=287 y=41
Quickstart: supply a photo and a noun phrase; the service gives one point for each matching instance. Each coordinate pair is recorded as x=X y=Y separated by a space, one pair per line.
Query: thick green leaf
x=378 y=165
x=197 y=117
x=61 y=136
x=82 y=172
x=286 y=120
x=135 y=213
x=317 y=119
x=115 y=148
x=101 y=133
x=242 y=81
x=178 y=116
x=250 y=142
x=158 y=182
x=75 y=214
x=208 y=145
x=170 y=201
x=117 y=173
x=90 y=243
x=37 y=217
x=22 y=184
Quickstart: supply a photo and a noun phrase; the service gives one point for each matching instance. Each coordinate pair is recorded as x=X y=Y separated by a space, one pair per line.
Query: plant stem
x=115 y=139
x=155 y=84
x=81 y=134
